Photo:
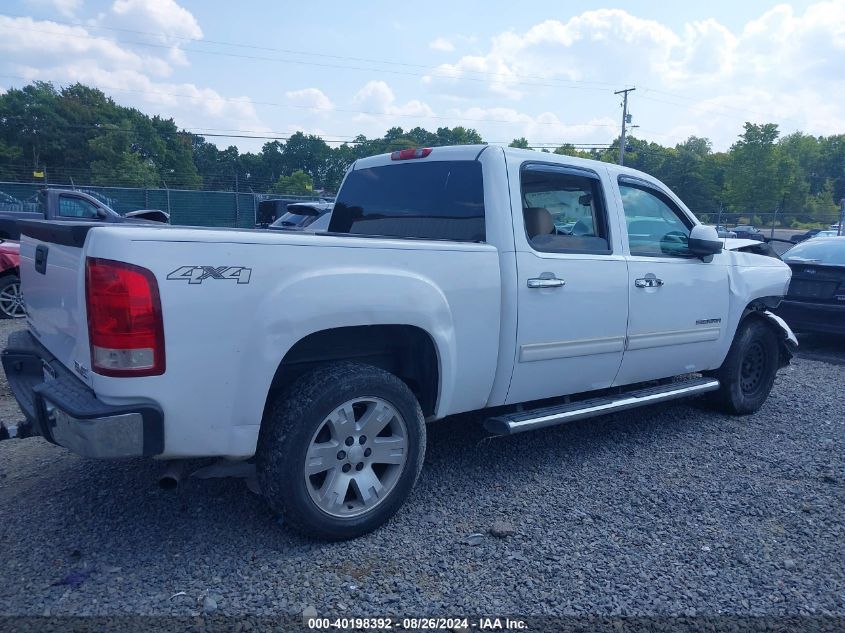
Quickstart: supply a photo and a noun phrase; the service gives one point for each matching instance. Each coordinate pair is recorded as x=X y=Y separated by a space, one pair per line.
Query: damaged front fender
x=788 y=341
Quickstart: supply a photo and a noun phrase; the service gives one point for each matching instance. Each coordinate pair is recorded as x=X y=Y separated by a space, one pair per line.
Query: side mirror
x=704 y=241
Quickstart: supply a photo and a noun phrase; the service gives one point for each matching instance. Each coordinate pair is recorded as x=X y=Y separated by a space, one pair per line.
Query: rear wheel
x=340 y=450
x=748 y=373
x=11 y=300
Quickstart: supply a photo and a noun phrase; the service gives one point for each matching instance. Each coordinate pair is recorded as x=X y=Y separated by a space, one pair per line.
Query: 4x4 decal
x=198 y=274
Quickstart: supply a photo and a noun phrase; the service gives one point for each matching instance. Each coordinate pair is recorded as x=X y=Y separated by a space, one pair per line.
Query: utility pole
x=625 y=121
x=775 y=214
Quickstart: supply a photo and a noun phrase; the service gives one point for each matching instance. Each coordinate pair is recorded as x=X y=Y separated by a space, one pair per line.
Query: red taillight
x=407 y=154
x=125 y=327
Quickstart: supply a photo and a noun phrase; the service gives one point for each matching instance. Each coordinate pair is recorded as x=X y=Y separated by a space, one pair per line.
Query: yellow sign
x=38 y=174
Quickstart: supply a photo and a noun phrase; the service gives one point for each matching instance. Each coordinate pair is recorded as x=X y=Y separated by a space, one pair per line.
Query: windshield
x=819 y=251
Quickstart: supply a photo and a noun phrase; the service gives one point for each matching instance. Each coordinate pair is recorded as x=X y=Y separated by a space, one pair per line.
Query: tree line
x=79 y=135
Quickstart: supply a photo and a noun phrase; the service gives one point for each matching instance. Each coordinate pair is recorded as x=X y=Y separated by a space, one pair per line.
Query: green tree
x=689 y=171
x=752 y=183
x=298 y=183
x=115 y=162
x=520 y=142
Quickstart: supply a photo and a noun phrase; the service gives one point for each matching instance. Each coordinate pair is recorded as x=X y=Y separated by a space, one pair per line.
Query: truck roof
x=471 y=152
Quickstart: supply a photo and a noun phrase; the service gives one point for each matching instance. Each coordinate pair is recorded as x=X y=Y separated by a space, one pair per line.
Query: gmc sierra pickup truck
x=443 y=285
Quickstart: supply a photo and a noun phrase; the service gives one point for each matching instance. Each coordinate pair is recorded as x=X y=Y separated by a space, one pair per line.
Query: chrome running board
x=511 y=423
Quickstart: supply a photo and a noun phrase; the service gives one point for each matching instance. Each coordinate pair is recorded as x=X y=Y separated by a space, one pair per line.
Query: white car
x=442 y=286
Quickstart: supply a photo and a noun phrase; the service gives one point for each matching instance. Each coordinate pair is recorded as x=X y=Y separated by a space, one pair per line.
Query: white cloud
x=545 y=127
x=376 y=97
x=45 y=50
x=310 y=98
x=712 y=77
x=161 y=16
x=67 y=8
x=41 y=43
x=578 y=49
x=441 y=44
x=157 y=22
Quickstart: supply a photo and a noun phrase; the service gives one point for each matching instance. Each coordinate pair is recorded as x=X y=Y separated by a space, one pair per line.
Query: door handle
x=41 y=259
x=648 y=282
x=546 y=282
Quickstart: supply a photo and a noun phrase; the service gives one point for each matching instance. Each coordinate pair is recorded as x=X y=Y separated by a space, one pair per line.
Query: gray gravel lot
x=667 y=510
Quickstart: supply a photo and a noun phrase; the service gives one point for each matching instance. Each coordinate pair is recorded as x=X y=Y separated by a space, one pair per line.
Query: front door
x=678 y=306
x=572 y=285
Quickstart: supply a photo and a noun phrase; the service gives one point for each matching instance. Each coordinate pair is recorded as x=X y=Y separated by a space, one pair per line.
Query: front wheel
x=748 y=373
x=340 y=450
x=11 y=299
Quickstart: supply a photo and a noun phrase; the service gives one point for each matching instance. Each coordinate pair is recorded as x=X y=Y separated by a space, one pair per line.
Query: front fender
x=788 y=341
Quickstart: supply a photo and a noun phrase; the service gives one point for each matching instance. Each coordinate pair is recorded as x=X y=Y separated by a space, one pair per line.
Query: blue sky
x=542 y=70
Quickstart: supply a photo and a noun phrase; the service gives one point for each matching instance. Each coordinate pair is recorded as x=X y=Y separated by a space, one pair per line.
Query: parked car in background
x=269 y=211
x=68 y=205
x=11 y=302
x=800 y=237
x=321 y=224
x=815 y=301
x=301 y=215
x=724 y=231
x=748 y=232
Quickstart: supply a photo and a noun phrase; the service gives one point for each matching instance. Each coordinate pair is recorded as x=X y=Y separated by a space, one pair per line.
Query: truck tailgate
x=53 y=285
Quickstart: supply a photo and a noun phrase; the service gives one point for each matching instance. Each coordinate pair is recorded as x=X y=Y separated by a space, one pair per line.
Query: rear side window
x=563 y=210
x=439 y=200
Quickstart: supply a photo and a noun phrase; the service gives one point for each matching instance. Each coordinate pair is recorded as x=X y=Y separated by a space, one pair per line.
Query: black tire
x=289 y=428
x=10 y=283
x=748 y=373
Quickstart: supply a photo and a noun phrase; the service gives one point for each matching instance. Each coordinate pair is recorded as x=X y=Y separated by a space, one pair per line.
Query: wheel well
x=755 y=310
x=405 y=351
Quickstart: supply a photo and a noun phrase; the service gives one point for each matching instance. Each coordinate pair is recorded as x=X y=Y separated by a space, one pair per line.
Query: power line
x=313 y=109
x=322 y=64
x=482 y=75
x=507 y=76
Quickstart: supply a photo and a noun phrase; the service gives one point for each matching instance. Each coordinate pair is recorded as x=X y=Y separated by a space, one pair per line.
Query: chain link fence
x=186 y=207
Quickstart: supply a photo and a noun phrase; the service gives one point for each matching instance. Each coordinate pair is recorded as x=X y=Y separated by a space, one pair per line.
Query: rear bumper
x=804 y=316
x=62 y=409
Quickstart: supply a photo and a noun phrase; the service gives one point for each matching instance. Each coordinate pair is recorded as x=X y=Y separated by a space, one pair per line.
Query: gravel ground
x=667 y=510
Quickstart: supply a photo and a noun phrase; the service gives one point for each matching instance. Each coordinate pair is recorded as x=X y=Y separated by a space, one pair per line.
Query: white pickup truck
x=538 y=288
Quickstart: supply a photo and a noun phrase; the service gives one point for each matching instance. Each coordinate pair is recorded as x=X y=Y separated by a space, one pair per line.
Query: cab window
x=657 y=227
x=71 y=207
x=563 y=210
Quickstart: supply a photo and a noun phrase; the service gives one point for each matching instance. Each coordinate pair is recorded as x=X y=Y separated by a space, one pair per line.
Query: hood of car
x=736 y=243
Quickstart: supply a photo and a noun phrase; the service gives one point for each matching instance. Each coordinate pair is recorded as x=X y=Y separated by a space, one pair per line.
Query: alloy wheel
x=356 y=456
x=11 y=301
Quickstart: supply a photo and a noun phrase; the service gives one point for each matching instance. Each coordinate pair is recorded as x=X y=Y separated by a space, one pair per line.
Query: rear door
x=571 y=283
x=678 y=304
